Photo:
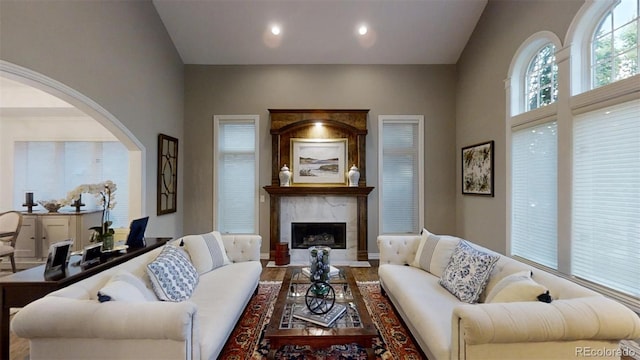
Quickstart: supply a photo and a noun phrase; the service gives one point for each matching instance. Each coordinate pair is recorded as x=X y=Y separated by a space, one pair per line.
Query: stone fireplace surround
x=319 y=203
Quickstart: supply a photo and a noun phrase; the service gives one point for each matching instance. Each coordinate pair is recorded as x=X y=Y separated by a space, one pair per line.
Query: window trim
x=412 y=119
x=579 y=37
x=217 y=120
x=518 y=69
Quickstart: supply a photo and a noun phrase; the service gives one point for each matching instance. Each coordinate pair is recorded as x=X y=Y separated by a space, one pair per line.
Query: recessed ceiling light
x=275 y=30
x=362 y=30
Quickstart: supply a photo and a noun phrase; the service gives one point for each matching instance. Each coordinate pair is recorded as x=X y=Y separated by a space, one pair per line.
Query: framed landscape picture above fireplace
x=319 y=161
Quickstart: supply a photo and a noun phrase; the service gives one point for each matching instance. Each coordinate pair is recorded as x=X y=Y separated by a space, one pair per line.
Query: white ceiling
x=222 y=32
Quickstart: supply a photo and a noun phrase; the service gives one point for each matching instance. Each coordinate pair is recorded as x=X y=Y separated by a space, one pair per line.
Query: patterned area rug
x=246 y=341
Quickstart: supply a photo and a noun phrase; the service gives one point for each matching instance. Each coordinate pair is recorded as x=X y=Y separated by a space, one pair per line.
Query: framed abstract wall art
x=477 y=169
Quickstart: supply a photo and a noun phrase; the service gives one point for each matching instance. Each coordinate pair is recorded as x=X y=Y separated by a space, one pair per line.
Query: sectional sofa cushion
x=207 y=251
x=124 y=286
x=516 y=287
x=434 y=252
x=172 y=275
x=467 y=272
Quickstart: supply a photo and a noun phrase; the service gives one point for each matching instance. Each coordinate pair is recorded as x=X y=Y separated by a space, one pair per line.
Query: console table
x=23 y=287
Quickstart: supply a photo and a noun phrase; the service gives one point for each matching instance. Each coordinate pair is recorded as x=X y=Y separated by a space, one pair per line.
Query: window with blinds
x=606 y=197
x=400 y=171
x=50 y=169
x=236 y=170
x=534 y=153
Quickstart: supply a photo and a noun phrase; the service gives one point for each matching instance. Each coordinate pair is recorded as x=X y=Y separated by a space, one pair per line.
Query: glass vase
x=107 y=243
x=319 y=263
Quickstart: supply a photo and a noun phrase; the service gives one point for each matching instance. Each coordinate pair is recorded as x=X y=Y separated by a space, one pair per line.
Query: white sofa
x=578 y=322
x=72 y=324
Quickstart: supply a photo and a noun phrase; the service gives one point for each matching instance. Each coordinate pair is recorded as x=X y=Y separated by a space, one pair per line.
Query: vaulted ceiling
x=320 y=31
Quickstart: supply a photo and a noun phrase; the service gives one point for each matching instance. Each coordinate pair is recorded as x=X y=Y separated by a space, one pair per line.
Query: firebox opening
x=305 y=235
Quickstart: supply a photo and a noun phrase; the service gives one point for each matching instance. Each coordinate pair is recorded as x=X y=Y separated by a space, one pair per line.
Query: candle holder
x=28 y=202
x=78 y=203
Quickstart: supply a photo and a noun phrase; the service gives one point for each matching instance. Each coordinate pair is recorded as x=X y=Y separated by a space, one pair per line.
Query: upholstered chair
x=10 y=224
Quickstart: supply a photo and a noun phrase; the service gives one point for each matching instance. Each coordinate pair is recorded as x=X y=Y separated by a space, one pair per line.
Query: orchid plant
x=105 y=193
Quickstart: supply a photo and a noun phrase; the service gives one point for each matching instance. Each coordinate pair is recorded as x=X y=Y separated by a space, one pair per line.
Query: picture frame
x=57 y=259
x=319 y=161
x=477 y=169
x=167 y=174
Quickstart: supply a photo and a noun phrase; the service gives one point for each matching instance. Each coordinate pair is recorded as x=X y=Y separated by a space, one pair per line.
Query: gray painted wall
x=385 y=90
x=481 y=101
x=117 y=53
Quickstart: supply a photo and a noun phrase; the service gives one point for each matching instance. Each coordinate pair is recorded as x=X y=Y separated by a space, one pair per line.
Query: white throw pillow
x=207 y=251
x=516 y=287
x=467 y=272
x=124 y=286
x=434 y=252
x=172 y=275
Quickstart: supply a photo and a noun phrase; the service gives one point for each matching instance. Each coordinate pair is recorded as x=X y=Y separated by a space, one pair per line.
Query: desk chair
x=10 y=225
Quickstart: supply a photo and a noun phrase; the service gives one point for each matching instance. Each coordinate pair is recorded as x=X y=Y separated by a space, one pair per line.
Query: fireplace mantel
x=318 y=190
x=296 y=123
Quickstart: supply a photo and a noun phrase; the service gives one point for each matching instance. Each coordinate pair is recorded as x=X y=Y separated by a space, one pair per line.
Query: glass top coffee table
x=353 y=326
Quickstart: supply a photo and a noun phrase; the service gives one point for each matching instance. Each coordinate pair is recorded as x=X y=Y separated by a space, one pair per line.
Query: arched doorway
x=92 y=109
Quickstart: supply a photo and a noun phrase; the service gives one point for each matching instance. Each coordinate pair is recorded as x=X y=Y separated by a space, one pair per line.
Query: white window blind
x=400 y=175
x=236 y=176
x=50 y=169
x=606 y=197
x=534 y=194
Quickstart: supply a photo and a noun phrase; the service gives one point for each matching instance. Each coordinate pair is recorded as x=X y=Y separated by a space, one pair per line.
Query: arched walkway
x=137 y=151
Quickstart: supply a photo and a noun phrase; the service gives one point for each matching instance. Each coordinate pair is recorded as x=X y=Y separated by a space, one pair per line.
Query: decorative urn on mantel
x=354 y=176
x=285 y=176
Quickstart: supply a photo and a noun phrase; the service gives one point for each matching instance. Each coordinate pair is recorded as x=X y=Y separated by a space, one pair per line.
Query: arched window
x=541 y=79
x=614 y=45
x=533 y=151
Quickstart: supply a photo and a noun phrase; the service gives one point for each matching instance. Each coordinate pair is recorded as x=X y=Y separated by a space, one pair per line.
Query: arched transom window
x=541 y=78
x=614 y=47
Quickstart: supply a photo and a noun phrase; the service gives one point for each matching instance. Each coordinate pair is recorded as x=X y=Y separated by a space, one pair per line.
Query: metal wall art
x=167 y=174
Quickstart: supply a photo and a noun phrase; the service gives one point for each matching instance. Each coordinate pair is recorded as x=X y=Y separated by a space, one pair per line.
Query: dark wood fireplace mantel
x=349 y=124
x=318 y=190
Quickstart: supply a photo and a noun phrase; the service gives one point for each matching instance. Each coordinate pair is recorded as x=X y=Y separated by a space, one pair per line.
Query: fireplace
x=338 y=202
x=307 y=234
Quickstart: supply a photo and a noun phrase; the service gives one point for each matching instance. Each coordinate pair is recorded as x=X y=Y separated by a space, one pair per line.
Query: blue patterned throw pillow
x=172 y=275
x=467 y=272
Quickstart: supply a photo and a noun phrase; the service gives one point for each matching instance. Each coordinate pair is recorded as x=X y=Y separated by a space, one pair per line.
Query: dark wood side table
x=23 y=287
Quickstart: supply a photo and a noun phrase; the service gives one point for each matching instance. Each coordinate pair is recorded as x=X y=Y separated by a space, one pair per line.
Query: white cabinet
x=26 y=242
x=40 y=230
x=54 y=229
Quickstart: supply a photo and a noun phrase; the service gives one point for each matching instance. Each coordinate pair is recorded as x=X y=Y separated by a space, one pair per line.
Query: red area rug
x=246 y=341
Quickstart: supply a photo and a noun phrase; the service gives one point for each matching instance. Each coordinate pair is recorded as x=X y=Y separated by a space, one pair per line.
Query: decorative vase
x=285 y=176
x=319 y=263
x=107 y=243
x=354 y=176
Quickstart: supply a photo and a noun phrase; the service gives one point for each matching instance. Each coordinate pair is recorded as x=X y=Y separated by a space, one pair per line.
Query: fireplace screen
x=305 y=235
